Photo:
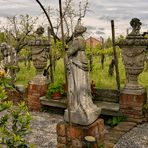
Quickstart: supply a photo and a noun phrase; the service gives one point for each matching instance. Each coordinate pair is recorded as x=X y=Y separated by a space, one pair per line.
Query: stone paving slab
x=113 y=136
x=125 y=126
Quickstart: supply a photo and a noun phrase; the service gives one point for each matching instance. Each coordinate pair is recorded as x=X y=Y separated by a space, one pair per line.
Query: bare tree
x=82 y=9
x=68 y=15
x=19 y=30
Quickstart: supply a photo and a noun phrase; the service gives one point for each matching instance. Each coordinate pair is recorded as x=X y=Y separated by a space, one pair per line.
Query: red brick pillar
x=131 y=105
x=36 y=89
x=78 y=133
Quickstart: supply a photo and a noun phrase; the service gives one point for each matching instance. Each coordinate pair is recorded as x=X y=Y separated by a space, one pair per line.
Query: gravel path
x=43 y=129
x=136 y=138
x=43 y=134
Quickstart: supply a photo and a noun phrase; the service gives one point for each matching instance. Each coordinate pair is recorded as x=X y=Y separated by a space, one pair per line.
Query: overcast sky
x=97 y=19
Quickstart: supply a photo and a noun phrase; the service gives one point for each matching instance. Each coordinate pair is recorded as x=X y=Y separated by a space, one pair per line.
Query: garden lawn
x=98 y=75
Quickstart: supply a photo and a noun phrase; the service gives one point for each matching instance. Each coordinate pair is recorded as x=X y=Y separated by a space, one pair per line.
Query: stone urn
x=40 y=52
x=133 y=53
x=39 y=56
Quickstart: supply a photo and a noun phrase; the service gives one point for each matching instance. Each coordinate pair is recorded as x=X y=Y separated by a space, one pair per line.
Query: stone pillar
x=39 y=85
x=133 y=95
x=78 y=132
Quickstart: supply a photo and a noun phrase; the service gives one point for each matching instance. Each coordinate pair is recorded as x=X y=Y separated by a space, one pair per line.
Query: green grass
x=59 y=72
x=143 y=80
x=25 y=75
x=98 y=75
x=101 y=76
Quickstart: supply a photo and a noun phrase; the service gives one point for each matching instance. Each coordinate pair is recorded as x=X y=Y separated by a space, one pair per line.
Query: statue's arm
x=73 y=48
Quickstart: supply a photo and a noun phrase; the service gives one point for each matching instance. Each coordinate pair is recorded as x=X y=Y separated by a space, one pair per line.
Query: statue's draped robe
x=78 y=81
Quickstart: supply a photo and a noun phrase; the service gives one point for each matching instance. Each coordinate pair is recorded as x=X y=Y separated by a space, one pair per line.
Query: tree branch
x=52 y=30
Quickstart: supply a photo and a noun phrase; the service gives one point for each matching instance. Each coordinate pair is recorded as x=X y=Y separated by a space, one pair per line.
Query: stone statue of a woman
x=83 y=111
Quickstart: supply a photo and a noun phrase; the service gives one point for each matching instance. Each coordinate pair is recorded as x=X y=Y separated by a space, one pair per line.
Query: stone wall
x=108 y=95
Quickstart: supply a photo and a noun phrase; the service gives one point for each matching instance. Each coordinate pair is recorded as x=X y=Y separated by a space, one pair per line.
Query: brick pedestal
x=131 y=104
x=76 y=139
x=36 y=89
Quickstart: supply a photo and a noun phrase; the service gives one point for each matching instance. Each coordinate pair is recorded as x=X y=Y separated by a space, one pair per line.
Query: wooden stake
x=50 y=57
x=115 y=55
x=65 y=59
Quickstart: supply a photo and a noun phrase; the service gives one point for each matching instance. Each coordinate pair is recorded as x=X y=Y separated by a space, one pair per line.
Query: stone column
x=38 y=86
x=133 y=95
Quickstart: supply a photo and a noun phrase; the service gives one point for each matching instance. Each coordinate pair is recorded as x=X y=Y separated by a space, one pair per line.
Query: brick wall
x=34 y=93
x=78 y=132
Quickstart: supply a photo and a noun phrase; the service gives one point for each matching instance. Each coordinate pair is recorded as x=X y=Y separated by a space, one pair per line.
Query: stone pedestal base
x=36 y=89
x=78 y=132
x=131 y=104
x=78 y=116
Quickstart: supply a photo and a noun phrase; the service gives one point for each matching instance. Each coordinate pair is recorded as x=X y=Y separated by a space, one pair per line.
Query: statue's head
x=79 y=29
x=136 y=26
x=40 y=30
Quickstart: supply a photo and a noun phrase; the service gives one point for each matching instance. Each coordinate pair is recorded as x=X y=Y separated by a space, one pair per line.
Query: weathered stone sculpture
x=83 y=111
x=133 y=95
x=8 y=60
x=39 y=84
x=133 y=52
x=40 y=52
x=5 y=52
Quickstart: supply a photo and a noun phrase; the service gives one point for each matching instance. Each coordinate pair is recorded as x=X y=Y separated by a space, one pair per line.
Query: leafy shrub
x=14 y=120
x=115 y=120
x=55 y=87
x=101 y=146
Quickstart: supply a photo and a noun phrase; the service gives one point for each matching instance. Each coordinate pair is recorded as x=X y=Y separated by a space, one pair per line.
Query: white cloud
x=101 y=13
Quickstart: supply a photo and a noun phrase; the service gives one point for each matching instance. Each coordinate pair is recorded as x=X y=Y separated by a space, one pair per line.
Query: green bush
x=14 y=121
x=116 y=120
x=55 y=87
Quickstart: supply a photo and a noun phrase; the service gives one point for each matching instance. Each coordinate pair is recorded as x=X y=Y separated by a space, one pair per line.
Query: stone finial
x=136 y=26
x=133 y=53
x=134 y=38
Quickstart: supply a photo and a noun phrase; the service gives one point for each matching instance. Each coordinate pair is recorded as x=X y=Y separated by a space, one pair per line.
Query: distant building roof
x=92 y=42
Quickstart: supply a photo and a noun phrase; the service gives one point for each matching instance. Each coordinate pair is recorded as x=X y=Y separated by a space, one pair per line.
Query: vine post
x=115 y=55
x=65 y=60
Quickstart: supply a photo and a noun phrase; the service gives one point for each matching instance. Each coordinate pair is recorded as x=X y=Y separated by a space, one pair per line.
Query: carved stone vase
x=133 y=57
x=40 y=52
x=133 y=53
x=39 y=57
